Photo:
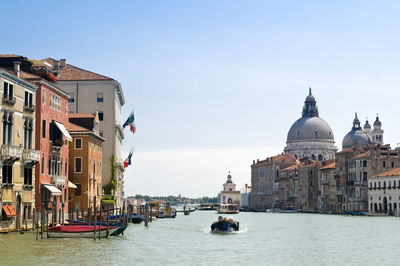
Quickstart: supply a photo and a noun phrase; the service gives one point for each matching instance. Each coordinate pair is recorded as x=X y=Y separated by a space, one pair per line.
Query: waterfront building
x=86 y=161
x=327 y=187
x=384 y=192
x=89 y=92
x=51 y=104
x=265 y=180
x=229 y=194
x=245 y=197
x=308 y=185
x=310 y=136
x=18 y=154
x=288 y=184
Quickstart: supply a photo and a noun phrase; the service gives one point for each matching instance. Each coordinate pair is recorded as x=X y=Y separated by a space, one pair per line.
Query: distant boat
x=208 y=206
x=228 y=209
x=354 y=213
x=79 y=231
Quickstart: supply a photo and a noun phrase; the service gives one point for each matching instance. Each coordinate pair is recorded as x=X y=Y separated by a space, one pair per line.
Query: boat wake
x=241 y=231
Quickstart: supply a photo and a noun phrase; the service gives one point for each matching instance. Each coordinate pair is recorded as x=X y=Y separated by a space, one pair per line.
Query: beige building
x=89 y=92
x=327 y=187
x=18 y=156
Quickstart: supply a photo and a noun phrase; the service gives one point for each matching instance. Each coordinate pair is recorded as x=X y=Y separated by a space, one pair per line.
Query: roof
x=291 y=168
x=9 y=55
x=329 y=166
x=75 y=128
x=393 y=172
x=81 y=115
x=364 y=154
x=70 y=72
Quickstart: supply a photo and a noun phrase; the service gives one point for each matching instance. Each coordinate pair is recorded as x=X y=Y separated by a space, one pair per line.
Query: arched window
x=320 y=157
x=230 y=201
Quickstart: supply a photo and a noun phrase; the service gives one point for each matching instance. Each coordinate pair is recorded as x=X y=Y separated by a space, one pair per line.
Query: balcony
x=30 y=108
x=10 y=100
x=31 y=156
x=339 y=192
x=10 y=153
x=324 y=182
x=58 y=180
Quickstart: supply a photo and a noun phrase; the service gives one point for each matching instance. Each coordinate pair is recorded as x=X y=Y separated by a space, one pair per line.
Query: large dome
x=310 y=129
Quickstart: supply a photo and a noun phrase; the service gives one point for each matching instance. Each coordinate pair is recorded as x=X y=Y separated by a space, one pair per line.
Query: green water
x=264 y=239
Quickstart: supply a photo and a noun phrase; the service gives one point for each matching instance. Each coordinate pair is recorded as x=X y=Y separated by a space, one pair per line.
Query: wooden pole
x=37 y=226
x=95 y=218
x=41 y=221
x=146 y=215
x=26 y=217
x=47 y=223
x=108 y=221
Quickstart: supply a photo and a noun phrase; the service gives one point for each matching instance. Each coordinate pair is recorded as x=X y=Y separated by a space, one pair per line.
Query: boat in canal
x=228 y=209
x=79 y=231
x=225 y=225
x=208 y=207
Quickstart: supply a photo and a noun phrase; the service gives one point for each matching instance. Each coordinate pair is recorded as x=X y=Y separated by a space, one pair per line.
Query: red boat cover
x=76 y=228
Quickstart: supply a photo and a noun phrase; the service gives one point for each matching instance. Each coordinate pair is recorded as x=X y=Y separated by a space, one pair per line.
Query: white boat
x=77 y=232
x=228 y=209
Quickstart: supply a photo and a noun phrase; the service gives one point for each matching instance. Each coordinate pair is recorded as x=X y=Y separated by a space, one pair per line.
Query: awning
x=54 y=191
x=7 y=211
x=63 y=130
x=71 y=185
x=11 y=209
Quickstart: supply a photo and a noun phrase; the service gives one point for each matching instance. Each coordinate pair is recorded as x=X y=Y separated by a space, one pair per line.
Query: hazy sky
x=216 y=84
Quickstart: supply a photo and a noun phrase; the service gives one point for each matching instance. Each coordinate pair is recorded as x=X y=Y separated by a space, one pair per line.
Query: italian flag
x=130 y=122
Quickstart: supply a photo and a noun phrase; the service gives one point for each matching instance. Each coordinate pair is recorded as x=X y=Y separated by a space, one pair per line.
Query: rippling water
x=264 y=239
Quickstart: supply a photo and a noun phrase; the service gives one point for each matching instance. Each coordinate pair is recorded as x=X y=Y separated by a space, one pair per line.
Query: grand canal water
x=264 y=239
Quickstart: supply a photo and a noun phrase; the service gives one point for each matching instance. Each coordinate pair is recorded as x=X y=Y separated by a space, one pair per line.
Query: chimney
x=63 y=62
x=17 y=67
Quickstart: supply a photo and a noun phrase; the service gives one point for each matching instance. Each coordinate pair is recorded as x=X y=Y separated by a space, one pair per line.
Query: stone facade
x=18 y=154
x=229 y=194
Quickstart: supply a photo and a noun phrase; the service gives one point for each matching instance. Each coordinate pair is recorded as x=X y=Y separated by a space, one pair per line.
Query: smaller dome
x=356 y=137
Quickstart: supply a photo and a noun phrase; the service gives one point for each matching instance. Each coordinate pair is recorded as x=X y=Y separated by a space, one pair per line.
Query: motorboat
x=208 y=206
x=225 y=225
x=228 y=209
x=79 y=231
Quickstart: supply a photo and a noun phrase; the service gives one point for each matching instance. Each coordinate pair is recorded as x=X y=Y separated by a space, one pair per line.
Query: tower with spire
x=377 y=132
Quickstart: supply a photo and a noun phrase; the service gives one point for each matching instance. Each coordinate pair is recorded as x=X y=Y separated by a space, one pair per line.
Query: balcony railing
x=10 y=152
x=8 y=99
x=339 y=193
x=31 y=156
x=30 y=108
x=58 y=180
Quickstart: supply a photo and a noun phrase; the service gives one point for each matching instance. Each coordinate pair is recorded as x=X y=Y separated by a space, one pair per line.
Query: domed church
x=310 y=136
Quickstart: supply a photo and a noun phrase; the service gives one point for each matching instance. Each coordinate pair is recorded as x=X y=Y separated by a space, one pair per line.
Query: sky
x=217 y=84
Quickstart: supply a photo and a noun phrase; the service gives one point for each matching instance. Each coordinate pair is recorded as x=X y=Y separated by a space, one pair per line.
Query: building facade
x=18 y=154
x=86 y=161
x=89 y=92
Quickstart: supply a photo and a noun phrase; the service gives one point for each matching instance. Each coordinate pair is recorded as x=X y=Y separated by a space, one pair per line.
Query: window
x=78 y=164
x=384 y=164
x=28 y=129
x=101 y=116
x=100 y=97
x=78 y=190
x=28 y=99
x=44 y=97
x=43 y=129
x=7 y=127
x=7 y=174
x=78 y=144
x=8 y=91
x=65 y=168
x=101 y=133
x=71 y=97
x=42 y=166
x=28 y=176
x=392 y=164
x=55 y=102
x=49 y=166
x=365 y=163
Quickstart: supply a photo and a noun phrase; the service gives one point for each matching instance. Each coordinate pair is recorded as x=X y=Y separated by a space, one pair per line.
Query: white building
x=384 y=192
x=89 y=92
x=229 y=194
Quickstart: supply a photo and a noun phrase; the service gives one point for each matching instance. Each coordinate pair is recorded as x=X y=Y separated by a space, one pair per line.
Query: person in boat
x=217 y=224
